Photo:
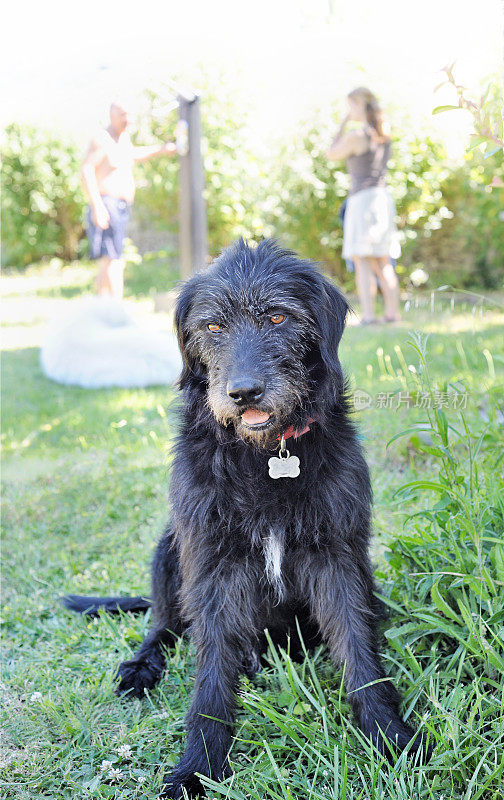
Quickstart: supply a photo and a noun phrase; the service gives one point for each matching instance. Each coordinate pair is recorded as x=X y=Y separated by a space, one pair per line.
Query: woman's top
x=369 y=168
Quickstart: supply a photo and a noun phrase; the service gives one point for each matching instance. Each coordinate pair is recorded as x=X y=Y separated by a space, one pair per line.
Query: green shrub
x=449 y=215
x=446 y=572
x=42 y=200
x=306 y=193
x=466 y=245
x=309 y=191
x=474 y=191
x=233 y=175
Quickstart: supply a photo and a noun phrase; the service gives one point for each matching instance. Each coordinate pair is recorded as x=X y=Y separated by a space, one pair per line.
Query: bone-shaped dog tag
x=283 y=467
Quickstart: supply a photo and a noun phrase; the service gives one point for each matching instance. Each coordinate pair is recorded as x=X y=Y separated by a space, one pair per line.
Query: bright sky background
x=61 y=62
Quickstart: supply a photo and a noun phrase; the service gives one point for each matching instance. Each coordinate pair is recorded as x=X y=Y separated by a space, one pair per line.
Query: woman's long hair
x=374 y=114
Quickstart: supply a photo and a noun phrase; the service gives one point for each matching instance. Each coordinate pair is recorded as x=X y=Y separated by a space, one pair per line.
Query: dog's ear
x=331 y=319
x=182 y=308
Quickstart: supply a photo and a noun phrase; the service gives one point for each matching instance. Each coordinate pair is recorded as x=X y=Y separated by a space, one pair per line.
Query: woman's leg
x=366 y=287
x=373 y=288
x=389 y=285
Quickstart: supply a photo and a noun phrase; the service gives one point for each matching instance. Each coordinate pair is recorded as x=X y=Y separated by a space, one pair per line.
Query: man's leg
x=103 y=286
x=110 y=278
x=116 y=277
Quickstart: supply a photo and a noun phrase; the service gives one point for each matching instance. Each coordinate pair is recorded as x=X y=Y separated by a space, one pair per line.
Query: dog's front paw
x=396 y=737
x=251 y=664
x=178 y=780
x=136 y=676
x=421 y=743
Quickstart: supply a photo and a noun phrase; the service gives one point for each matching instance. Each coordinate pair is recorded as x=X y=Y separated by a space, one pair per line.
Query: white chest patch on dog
x=273 y=553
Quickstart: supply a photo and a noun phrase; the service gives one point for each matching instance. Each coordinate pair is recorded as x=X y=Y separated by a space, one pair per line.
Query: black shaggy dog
x=270 y=499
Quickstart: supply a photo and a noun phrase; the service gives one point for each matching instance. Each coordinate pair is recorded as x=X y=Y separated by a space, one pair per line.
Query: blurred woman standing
x=369 y=229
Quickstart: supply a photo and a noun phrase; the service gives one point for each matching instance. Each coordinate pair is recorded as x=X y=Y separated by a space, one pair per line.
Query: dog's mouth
x=253 y=418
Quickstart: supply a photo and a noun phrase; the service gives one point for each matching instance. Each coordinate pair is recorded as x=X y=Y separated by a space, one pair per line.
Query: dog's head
x=259 y=334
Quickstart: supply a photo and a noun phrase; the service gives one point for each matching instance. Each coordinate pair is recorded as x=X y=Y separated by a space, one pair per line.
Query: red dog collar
x=291 y=431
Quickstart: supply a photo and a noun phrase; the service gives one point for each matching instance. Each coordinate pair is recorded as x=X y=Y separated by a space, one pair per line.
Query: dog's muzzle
x=246 y=392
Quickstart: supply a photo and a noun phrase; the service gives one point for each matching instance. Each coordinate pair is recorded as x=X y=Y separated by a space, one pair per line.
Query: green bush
x=449 y=215
x=42 y=200
x=156 y=198
x=445 y=577
x=233 y=175
x=453 y=550
x=465 y=247
x=309 y=191
x=306 y=194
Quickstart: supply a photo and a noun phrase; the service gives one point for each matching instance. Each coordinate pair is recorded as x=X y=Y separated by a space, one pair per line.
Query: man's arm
x=148 y=151
x=92 y=159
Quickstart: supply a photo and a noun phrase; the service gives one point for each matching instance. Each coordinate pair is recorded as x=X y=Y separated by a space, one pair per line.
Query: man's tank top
x=370 y=168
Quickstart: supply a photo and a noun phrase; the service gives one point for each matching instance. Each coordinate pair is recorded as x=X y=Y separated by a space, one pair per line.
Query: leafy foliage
x=486 y=112
x=447 y=593
x=449 y=215
x=310 y=191
x=42 y=200
x=233 y=174
x=307 y=192
x=466 y=248
x=472 y=233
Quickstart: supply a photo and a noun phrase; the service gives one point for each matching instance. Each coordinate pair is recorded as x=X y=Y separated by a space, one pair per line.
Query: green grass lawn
x=85 y=479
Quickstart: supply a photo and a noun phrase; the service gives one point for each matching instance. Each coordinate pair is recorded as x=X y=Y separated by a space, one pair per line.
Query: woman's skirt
x=369 y=228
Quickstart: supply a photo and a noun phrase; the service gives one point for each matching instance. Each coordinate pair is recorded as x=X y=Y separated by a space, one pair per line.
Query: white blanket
x=97 y=344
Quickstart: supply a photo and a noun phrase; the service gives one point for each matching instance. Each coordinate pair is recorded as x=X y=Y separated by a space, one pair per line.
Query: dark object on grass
x=259 y=334
x=91 y=606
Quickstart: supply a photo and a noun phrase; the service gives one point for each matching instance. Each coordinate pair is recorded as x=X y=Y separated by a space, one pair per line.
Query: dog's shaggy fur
x=244 y=552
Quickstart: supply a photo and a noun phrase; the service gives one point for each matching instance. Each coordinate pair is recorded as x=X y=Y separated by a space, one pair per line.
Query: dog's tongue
x=253 y=417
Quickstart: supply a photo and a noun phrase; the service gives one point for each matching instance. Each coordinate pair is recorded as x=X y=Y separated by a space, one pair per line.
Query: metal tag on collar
x=284 y=465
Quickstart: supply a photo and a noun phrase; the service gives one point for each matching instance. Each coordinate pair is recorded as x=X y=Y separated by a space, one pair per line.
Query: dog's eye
x=213 y=327
x=277 y=318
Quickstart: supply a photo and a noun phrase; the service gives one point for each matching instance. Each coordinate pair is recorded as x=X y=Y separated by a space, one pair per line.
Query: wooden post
x=193 y=237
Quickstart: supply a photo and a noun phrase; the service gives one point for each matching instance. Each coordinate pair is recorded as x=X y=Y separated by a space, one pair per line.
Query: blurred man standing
x=107 y=175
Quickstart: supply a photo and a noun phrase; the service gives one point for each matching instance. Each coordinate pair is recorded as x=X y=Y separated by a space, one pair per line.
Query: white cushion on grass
x=97 y=344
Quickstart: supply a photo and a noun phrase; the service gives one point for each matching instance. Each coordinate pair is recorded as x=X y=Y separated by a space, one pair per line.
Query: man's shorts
x=109 y=242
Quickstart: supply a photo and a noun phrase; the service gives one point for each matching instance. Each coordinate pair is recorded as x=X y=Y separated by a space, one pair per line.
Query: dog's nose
x=245 y=390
